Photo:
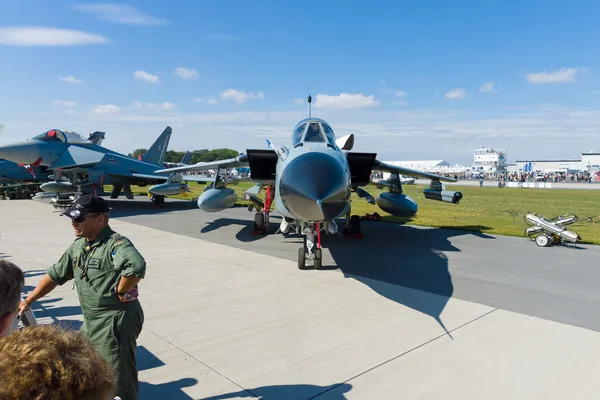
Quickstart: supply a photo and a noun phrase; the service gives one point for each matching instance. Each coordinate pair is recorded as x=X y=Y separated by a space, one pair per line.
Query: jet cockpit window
x=53 y=135
x=74 y=137
x=329 y=133
x=297 y=135
x=314 y=134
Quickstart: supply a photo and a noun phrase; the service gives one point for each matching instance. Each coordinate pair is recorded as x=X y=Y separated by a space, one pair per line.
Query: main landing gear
x=261 y=218
x=158 y=201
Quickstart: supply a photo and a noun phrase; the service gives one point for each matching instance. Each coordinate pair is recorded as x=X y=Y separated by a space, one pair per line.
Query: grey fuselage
x=312 y=179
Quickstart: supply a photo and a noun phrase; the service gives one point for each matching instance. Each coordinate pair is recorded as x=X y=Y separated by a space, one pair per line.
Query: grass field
x=484 y=209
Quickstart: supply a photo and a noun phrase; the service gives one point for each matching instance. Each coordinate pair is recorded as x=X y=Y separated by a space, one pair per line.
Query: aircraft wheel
x=301 y=258
x=259 y=222
x=542 y=240
x=355 y=224
x=318 y=259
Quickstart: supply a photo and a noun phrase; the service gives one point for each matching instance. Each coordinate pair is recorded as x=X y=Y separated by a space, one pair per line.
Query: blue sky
x=412 y=79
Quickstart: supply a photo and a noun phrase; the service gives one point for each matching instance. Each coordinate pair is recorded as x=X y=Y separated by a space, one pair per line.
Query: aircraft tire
x=318 y=259
x=259 y=222
x=355 y=224
x=301 y=258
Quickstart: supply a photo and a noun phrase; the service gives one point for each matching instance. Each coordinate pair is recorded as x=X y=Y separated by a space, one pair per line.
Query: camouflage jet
x=89 y=166
x=310 y=184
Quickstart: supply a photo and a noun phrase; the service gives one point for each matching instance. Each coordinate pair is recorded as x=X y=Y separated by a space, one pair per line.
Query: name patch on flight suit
x=94 y=263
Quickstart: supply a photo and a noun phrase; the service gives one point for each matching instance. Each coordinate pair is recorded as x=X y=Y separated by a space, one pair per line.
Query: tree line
x=203 y=155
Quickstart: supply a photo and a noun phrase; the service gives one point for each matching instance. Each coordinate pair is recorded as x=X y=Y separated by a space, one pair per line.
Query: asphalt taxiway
x=404 y=312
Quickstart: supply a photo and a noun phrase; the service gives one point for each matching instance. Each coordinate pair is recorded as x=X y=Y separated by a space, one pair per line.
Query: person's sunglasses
x=81 y=219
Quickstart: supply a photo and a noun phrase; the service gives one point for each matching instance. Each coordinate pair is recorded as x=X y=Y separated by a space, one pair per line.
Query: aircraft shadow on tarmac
x=389 y=258
x=276 y=392
x=129 y=208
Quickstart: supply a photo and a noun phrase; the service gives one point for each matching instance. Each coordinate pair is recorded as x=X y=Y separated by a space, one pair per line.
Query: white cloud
x=239 y=96
x=63 y=103
x=563 y=75
x=119 y=14
x=144 y=76
x=458 y=93
x=198 y=100
x=212 y=101
x=401 y=93
x=298 y=102
x=46 y=36
x=488 y=87
x=166 y=106
x=185 y=73
x=70 y=79
x=345 y=100
x=106 y=109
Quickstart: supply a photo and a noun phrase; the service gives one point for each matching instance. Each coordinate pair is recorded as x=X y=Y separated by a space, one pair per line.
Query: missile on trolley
x=547 y=228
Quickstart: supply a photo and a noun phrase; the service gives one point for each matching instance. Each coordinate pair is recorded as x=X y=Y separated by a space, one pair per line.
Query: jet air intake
x=315 y=187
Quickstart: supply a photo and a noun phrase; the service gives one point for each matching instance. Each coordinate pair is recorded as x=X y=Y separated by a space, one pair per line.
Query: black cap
x=86 y=204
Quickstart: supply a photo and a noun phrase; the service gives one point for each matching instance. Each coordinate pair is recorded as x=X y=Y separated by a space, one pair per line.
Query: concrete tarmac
x=404 y=313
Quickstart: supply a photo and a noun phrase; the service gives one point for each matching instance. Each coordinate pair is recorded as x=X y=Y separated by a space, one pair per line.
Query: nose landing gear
x=310 y=252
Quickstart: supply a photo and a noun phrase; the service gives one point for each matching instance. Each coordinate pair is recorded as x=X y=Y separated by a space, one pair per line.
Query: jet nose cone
x=315 y=187
x=21 y=153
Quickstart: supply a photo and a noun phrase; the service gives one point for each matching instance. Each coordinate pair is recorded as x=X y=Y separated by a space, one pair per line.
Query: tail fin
x=156 y=154
x=187 y=158
x=97 y=137
x=270 y=144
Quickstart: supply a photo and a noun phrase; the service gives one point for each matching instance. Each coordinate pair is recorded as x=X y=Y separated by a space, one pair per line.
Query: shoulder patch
x=119 y=241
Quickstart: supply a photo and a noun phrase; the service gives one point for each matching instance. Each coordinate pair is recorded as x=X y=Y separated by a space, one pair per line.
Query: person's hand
x=24 y=305
x=129 y=296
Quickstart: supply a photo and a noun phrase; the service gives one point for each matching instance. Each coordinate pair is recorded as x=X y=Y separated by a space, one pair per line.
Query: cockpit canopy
x=56 y=135
x=313 y=131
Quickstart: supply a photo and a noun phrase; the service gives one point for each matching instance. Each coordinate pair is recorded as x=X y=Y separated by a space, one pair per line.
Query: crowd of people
x=98 y=362
x=536 y=176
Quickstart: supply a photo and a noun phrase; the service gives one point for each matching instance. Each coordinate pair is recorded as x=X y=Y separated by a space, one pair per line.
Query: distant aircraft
x=310 y=182
x=89 y=166
x=185 y=160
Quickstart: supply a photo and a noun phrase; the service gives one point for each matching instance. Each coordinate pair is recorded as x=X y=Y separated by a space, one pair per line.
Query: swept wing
x=239 y=161
x=165 y=178
x=381 y=166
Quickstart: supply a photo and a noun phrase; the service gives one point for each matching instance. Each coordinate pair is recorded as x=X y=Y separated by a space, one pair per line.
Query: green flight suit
x=111 y=326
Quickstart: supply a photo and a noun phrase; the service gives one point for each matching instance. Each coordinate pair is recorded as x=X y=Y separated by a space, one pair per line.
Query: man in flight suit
x=106 y=268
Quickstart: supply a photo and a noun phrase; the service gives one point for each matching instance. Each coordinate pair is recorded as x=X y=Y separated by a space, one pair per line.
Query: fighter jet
x=310 y=182
x=14 y=172
x=185 y=160
x=89 y=166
